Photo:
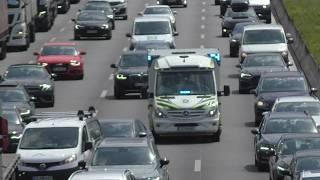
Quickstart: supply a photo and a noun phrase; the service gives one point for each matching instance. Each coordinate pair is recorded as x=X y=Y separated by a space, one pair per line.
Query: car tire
x=268 y=21
x=156 y=137
x=76 y=37
x=80 y=77
x=217 y=2
x=3 y=53
x=32 y=34
x=224 y=34
x=25 y=47
x=233 y=52
x=109 y=36
x=118 y=94
x=256 y=121
x=259 y=166
x=242 y=91
x=113 y=25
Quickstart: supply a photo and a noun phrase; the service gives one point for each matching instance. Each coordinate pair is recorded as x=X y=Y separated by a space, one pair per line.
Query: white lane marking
x=104 y=93
x=203 y=26
x=62 y=29
x=125 y=49
x=203 y=10
x=31 y=62
x=201 y=46
x=202 y=36
x=110 y=77
x=197 y=165
x=204 y=3
x=203 y=18
x=53 y=39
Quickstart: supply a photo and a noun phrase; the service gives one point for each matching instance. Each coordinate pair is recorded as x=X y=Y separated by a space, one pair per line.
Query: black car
x=15 y=127
x=278 y=84
x=286 y=147
x=223 y=6
x=36 y=79
x=113 y=128
x=92 y=23
x=306 y=160
x=101 y=6
x=131 y=74
x=47 y=12
x=16 y=97
x=256 y=64
x=151 y=45
x=63 y=6
x=273 y=126
x=183 y=3
x=236 y=37
x=231 y=18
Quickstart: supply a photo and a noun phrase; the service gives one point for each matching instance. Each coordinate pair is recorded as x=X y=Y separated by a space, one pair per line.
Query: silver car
x=138 y=155
x=104 y=174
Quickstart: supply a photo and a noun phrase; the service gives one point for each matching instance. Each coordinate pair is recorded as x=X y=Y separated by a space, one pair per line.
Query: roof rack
x=81 y=114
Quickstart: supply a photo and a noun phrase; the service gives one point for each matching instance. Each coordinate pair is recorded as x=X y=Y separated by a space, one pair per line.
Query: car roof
x=263 y=26
x=288 y=115
x=135 y=52
x=117 y=120
x=298 y=99
x=123 y=142
x=151 y=18
x=283 y=74
x=300 y=136
x=105 y=174
x=174 y=61
x=60 y=44
x=264 y=54
x=92 y=11
x=156 y=6
x=25 y=65
x=57 y=122
x=306 y=153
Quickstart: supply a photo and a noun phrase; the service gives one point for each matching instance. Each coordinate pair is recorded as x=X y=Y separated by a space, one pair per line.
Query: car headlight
x=153 y=178
x=243 y=55
x=213 y=112
x=159 y=113
x=44 y=64
x=233 y=40
x=264 y=6
x=42 y=13
x=70 y=159
x=121 y=77
x=261 y=103
x=75 y=63
x=245 y=75
x=16 y=135
x=77 y=26
x=45 y=87
x=110 y=16
x=105 y=26
x=24 y=111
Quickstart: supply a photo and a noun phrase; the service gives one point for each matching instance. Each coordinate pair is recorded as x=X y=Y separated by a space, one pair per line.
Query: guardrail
x=299 y=51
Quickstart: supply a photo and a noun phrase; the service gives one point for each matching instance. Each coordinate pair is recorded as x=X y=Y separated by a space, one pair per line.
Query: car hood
x=57 y=59
x=45 y=155
x=272 y=96
x=259 y=2
x=26 y=82
x=186 y=102
x=272 y=138
x=133 y=70
x=161 y=37
x=139 y=171
x=256 y=48
x=91 y=23
x=263 y=69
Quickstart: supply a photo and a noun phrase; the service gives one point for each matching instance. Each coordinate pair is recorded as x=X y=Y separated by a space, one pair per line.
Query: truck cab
x=183 y=93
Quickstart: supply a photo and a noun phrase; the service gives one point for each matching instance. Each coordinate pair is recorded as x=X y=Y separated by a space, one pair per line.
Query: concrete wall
x=299 y=51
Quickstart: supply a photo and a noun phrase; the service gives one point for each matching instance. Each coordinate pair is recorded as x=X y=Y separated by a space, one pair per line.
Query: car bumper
x=92 y=32
x=56 y=175
x=66 y=70
x=120 y=12
x=131 y=86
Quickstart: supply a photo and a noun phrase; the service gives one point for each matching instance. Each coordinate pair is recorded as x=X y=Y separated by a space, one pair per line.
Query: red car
x=62 y=59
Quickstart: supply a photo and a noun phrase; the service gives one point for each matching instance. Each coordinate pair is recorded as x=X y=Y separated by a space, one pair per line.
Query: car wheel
x=157 y=138
x=113 y=26
x=224 y=34
x=233 y=52
x=268 y=21
x=76 y=37
x=242 y=91
x=25 y=47
x=80 y=77
x=3 y=52
x=258 y=165
x=109 y=36
x=117 y=93
x=256 y=120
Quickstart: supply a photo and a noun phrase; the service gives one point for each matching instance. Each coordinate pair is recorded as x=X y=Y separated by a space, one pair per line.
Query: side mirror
x=174 y=12
x=289 y=38
x=175 y=33
x=142 y=134
x=79 y=10
x=290 y=63
x=164 y=162
x=82 y=164
x=32 y=98
x=113 y=66
x=88 y=146
x=36 y=54
x=225 y=92
x=265 y=113
x=140 y=13
x=255 y=131
x=313 y=90
x=53 y=76
x=82 y=53
x=253 y=91
x=73 y=20
x=128 y=35
x=238 y=66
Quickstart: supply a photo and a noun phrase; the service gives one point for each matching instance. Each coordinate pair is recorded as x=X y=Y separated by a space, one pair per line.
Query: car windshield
x=152 y=28
x=244 y=14
x=98 y=6
x=291 y=146
x=263 y=60
x=13 y=3
x=12 y=117
x=313 y=108
x=110 y=156
x=117 y=129
x=26 y=72
x=12 y=95
x=92 y=16
x=50 y=138
x=263 y=36
x=289 y=125
x=308 y=163
x=157 y=10
x=185 y=83
x=152 y=46
x=283 y=84
x=134 y=60
x=59 y=50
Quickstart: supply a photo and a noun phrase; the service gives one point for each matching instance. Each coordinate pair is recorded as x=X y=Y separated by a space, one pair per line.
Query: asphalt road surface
x=191 y=158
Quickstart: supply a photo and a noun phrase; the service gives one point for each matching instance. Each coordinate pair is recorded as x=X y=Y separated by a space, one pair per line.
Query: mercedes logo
x=185 y=101
x=185 y=113
x=42 y=166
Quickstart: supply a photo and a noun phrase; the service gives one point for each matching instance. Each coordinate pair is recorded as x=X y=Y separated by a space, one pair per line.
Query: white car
x=53 y=146
x=152 y=28
x=160 y=11
x=308 y=104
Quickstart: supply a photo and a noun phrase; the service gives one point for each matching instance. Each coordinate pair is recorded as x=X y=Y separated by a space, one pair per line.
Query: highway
x=191 y=158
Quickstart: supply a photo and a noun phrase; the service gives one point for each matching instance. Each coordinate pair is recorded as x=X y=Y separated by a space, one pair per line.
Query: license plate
x=140 y=84
x=185 y=128
x=42 y=178
x=152 y=37
x=92 y=31
x=59 y=69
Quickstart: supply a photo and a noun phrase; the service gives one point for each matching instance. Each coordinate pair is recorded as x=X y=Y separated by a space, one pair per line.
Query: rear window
x=263 y=36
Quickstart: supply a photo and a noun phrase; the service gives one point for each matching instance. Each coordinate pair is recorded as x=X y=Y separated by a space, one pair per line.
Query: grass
x=306 y=17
